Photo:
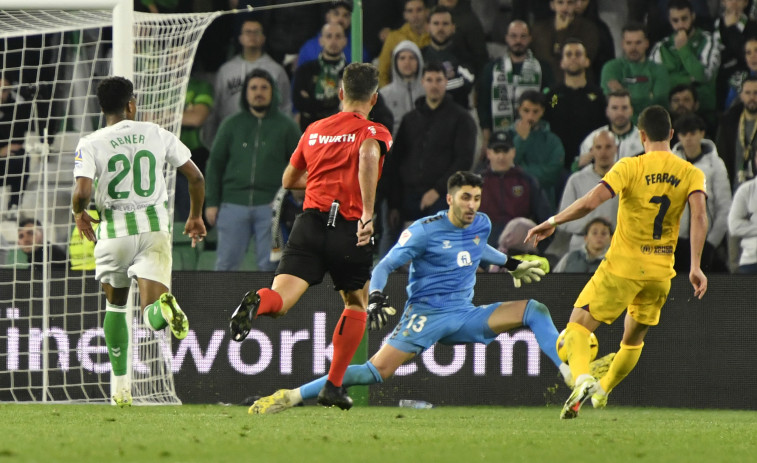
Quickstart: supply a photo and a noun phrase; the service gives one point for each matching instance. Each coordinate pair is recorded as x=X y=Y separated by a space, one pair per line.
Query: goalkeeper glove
x=528 y=271
x=378 y=310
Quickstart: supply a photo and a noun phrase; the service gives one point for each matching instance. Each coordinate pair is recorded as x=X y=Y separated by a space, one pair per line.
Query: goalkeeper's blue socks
x=537 y=318
x=356 y=375
x=116 y=337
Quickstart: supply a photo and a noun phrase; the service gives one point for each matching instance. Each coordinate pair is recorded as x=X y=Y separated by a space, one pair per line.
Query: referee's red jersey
x=329 y=152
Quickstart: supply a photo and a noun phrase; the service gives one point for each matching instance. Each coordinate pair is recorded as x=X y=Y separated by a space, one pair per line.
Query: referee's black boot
x=331 y=395
x=241 y=320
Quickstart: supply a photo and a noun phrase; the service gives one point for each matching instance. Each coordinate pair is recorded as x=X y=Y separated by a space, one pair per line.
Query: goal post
x=53 y=55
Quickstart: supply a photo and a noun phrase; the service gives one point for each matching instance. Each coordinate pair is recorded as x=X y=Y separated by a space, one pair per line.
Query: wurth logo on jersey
x=324 y=139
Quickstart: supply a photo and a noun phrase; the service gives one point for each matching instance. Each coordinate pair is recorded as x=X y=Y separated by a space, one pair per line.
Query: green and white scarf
x=327 y=83
x=508 y=86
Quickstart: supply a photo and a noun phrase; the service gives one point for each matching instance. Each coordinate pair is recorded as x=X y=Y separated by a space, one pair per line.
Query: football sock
x=625 y=360
x=356 y=375
x=116 y=337
x=346 y=339
x=577 y=347
x=154 y=316
x=537 y=318
x=270 y=301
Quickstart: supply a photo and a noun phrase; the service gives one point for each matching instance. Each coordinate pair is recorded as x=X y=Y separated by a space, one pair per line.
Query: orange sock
x=270 y=301
x=347 y=336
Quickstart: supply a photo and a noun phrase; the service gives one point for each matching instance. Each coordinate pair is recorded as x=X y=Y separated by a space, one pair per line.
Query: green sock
x=116 y=337
x=154 y=316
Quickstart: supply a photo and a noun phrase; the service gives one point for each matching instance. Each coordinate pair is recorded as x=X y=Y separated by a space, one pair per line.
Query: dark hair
x=655 y=122
x=634 y=27
x=439 y=9
x=29 y=221
x=434 y=66
x=680 y=5
x=114 y=94
x=339 y=3
x=749 y=78
x=404 y=4
x=690 y=123
x=572 y=41
x=257 y=73
x=534 y=96
x=598 y=219
x=680 y=88
x=360 y=81
x=463 y=178
x=620 y=93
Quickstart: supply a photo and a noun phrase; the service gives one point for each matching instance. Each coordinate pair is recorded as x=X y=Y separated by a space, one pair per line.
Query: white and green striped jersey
x=126 y=159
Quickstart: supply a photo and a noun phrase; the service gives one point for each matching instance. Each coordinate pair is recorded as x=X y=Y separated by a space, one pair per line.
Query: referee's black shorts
x=314 y=249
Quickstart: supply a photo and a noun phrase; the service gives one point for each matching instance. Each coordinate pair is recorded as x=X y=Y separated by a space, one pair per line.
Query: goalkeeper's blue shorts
x=421 y=326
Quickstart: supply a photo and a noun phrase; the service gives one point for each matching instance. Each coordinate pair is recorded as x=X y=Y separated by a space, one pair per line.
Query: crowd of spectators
x=540 y=97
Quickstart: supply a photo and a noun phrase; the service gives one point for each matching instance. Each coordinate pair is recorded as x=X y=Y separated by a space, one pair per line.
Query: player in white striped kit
x=125 y=161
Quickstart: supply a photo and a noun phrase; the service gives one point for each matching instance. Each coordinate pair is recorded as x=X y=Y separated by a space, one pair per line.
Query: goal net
x=52 y=347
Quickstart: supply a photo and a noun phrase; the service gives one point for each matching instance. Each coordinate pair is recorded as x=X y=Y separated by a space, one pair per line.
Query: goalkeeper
x=445 y=250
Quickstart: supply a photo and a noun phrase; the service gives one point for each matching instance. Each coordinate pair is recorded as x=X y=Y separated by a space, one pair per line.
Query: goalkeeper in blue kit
x=445 y=250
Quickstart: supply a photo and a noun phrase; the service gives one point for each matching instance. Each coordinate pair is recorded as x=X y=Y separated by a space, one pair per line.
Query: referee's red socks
x=347 y=336
x=270 y=301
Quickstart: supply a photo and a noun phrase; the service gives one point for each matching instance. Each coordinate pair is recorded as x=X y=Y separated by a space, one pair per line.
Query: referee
x=338 y=162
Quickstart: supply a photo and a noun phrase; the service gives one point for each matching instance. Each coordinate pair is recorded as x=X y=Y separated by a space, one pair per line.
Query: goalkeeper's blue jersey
x=444 y=259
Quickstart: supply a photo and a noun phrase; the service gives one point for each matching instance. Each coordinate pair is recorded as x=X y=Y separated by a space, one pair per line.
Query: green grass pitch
x=214 y=433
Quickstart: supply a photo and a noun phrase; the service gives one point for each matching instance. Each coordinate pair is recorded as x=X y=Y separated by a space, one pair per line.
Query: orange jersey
x=653 y=190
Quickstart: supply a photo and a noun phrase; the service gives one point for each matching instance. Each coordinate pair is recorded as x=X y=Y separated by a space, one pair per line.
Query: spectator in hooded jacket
x=400 y=95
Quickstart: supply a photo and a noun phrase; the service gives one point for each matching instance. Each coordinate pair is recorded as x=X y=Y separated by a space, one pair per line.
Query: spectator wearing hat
x=509 y=191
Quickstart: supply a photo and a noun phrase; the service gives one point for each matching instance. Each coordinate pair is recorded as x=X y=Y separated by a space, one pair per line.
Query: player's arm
x=697 y=236
x=195 y=227
x=580 y=208
x=79 y=202
x=368 y=173
x=294 y=178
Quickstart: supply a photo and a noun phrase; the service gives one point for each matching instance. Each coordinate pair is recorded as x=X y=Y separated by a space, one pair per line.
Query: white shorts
x=146 y=255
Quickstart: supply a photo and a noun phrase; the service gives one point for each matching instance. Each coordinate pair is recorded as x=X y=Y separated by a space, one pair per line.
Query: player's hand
x=698 y=281
x=195 y=229
x=540 y=232
x=378 y=310
x=528 y=271
x=84 y=223
x=364 y=232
